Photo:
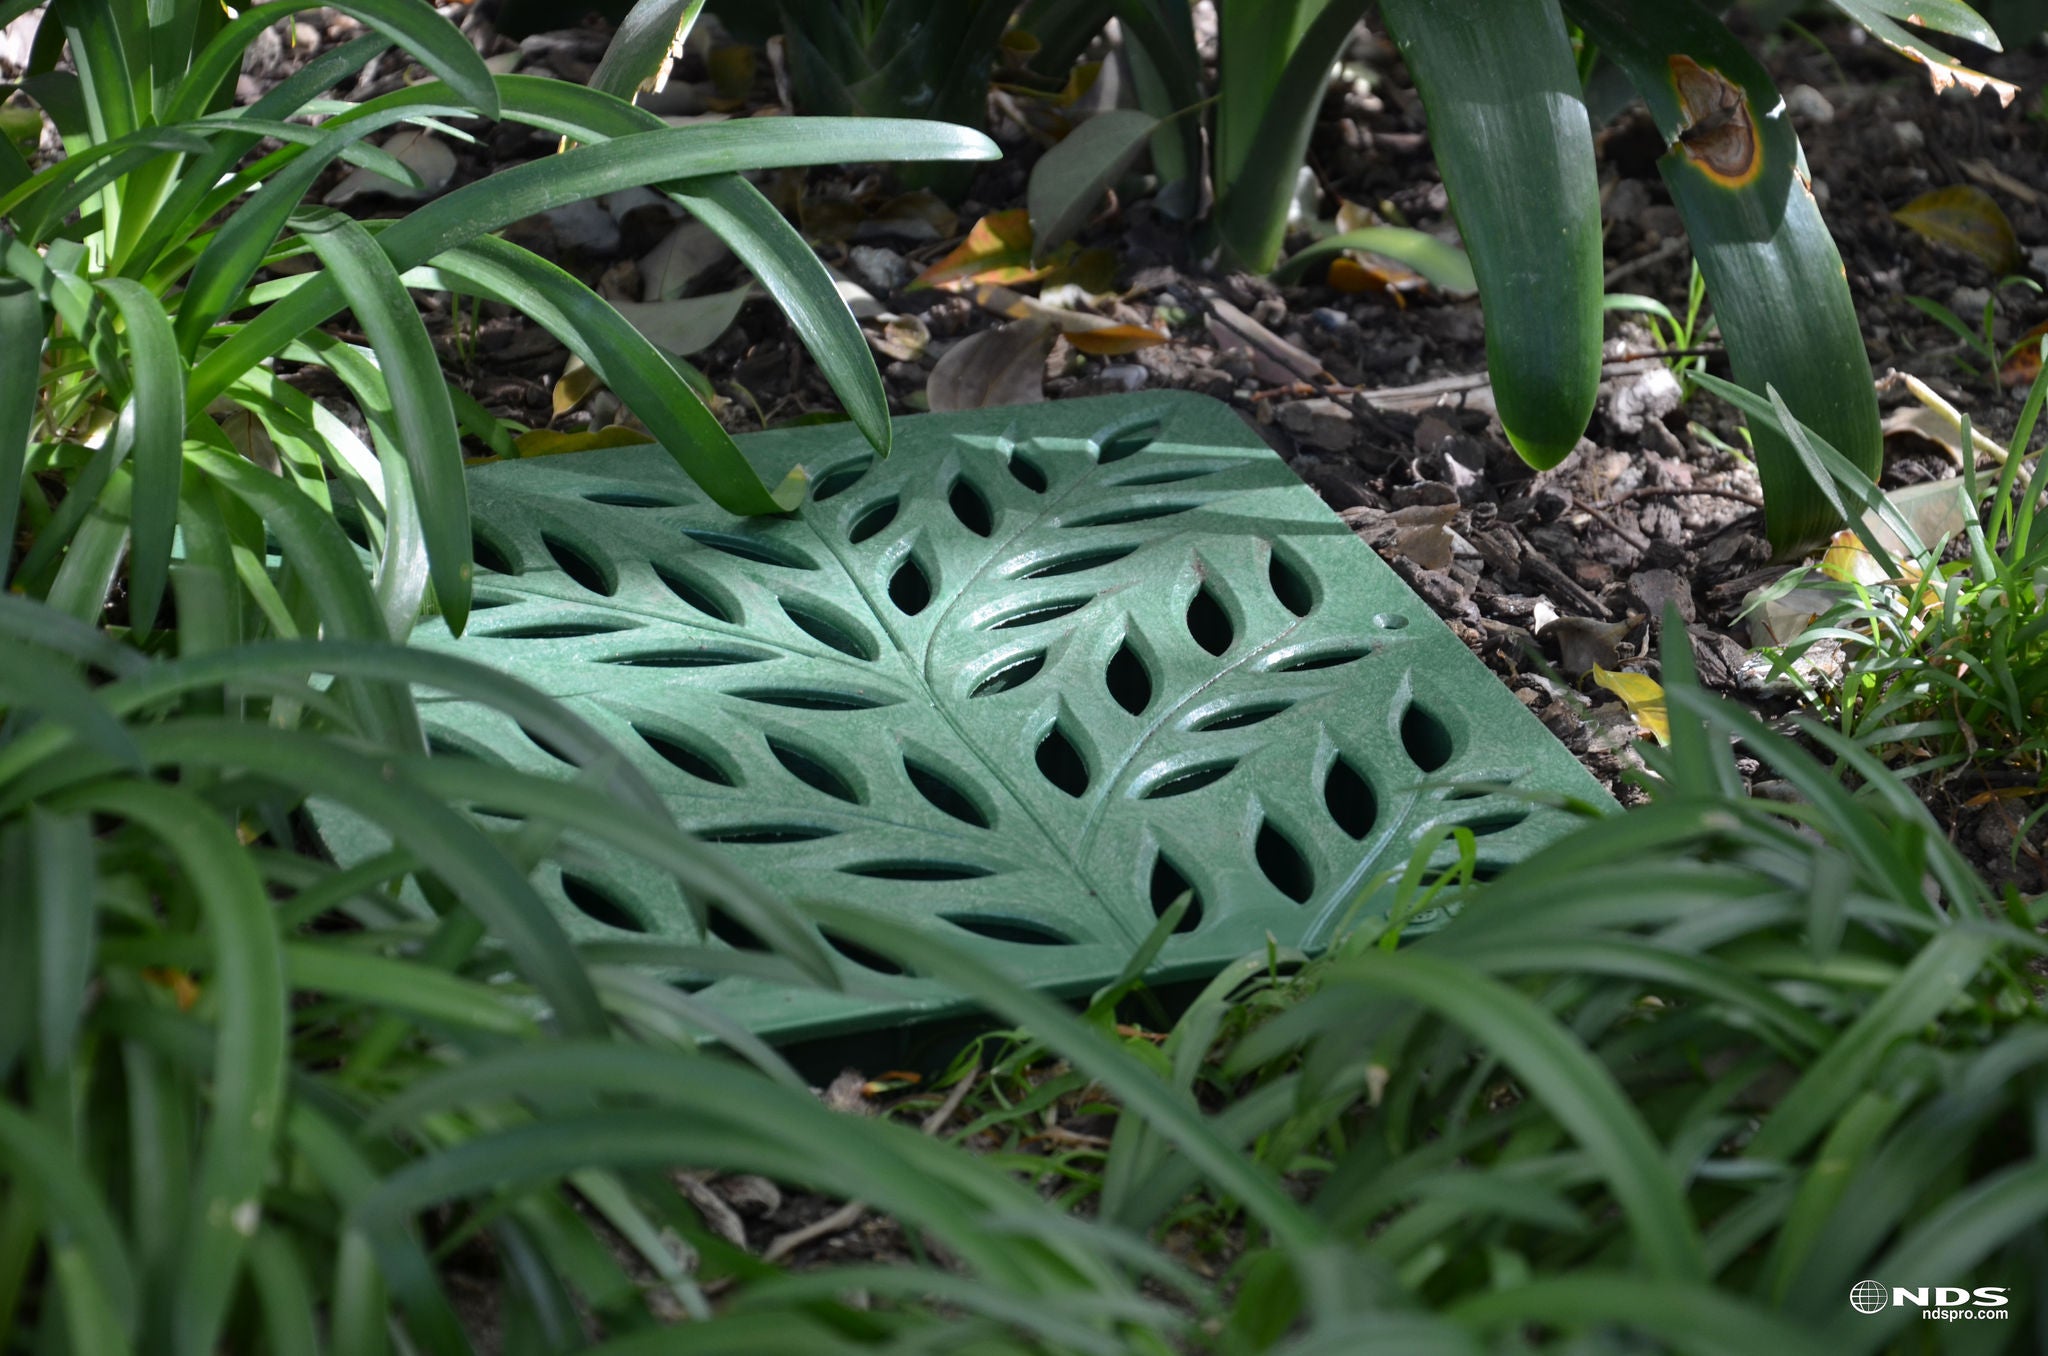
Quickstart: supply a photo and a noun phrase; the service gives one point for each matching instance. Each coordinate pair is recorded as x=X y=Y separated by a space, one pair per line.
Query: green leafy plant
x=1944 y=660
x=1676 y=1083
x=1675 y=335
x=137 y=257
x=1982 y=339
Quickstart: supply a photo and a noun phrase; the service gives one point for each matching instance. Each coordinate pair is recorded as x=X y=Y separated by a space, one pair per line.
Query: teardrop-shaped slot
x=1042 y=612
x=1290 y=585
x=1336 y=657
x=1189 y=779
x=811 y=772
x=1283 y=864
x=441 y=746
x=694 y=594
x=629 y=499
x=1027 y=473
x=732 y=931
x=482 y=602
x=698 y=657
x=678 y=754
x=1016 y=673
x=840 y=479
x=1126 y=442
x=860 y=955
x=557 y=631
x=872 y=521
x=830 y=630
x=1497 y=821
x=1349 y=799
x=764 y=835
x=579 y=566
x=488 y=553
x=1177 y=476
x=1129 y=513
x=545 y=747
x=909 y=588
x=945 y=795
x=1428 y=743
x=810 y=698
x=760 y=550
x=971 y=509
x=1015 y=930
x=594 y=901
x=917 y=870
x=1168 y=885
x=1237 y=718
x=1079 y=561
x=1130 y=682
x=1208 y=623
x=1060 y=763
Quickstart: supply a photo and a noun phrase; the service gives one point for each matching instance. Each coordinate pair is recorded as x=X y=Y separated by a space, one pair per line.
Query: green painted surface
x=1022 y=683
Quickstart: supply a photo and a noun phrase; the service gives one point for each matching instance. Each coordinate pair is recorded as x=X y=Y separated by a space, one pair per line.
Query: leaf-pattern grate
x=1025 y=683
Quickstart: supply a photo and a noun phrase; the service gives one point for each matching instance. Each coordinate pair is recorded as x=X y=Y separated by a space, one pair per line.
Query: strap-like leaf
x=153 y=424
x=646 y=40
x=21 y=319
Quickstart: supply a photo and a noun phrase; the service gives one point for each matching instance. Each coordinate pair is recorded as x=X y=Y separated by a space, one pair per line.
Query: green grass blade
x=77 y=1214
x=64 y=875
x=21 y=315
x=638 y=372
x=420 y=407
x=155 y=414
x=403 y=986
x=641 y=45
x=1512 y=139
x=286 y=1295
x=33 y=682
x=1688 y=1317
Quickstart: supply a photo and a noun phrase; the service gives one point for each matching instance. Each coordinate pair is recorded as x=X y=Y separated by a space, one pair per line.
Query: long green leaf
x=640 y=48
x=64 y=875
x=1516 y=150
x=419 y=398
x=155 y=423
x=75 y=1211
x=21 y=316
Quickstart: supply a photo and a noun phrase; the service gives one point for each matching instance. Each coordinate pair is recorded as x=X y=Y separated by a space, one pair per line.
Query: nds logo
x=1945 y=1302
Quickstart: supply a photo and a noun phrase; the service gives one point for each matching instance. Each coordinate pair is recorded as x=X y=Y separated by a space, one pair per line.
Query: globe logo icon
x=1867 y=1297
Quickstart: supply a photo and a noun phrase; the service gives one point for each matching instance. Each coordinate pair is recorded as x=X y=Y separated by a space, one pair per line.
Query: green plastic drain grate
x=1023 y=683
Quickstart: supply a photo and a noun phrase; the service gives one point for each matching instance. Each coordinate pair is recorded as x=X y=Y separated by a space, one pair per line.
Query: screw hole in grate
x=595 y=902
x=1080 y=560
x=1292 y=587
x=1349 y=798
x=759 y=550
x=695 y=594
x=1283 y=864
x=832 y=630
x=910 y=588
x=1186 y=780
x=703 y=657
x=683 y=757
x=945 y=795
x=1238 y=717
x=1027 y=473
x=872 y=521
x=1013 y=674
x=840 y=479
x=1209 y=623
x=1428 y=743
x=1017 y=931
x=1168 y=885
x=971 y=509
x=579 y=566
x=1130 y=682
x=1060 y=763
x=812 y=773
x=1118 y=444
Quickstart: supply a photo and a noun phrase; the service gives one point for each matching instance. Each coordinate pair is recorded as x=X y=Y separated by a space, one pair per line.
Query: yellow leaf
x=577 y=385
x=1644 y=698
x=1968 y=218
x=1850 y=561
x=997 y=251
x=1109 y=340
x=543 y=442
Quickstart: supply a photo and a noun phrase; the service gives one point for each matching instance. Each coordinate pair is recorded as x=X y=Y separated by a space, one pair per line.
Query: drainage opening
x=1014 y=674
x=811 y=772
x=1283 y=864
x=1428 y=743
x=1168 y=885
x=831 y=630
x=971 y=509
x=1208 y=623
x=1014 y=930
x=872 y=521
x=840 y=480
x=1290 y=586
x=860 y=955
x=1130 y=682
x=1349 y=799
x=1060 y=763
x=594 y=901
x=945 y=795
x=694 y=594
x=909 y=588
x=579 y=566
x=680 y=755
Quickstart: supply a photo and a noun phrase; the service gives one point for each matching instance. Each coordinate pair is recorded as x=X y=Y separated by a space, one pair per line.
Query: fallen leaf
x=686 y=325
x=903 y=337
x=2023 y=362
x=918 y=215
x=1109 y=340
x=682 y=256
x=1584 y=645
x=1848 y=560
x=1969 y=219
x=1933 y=509
x=997 y=250
x=1780 y=620
x=1091 y=334
x=1644 y=698
x=577 y=385
x=546 y=442
x=1002 y=366
x=421 y=152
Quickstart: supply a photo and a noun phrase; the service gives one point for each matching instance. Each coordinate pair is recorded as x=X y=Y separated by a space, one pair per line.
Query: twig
x=1616 y=528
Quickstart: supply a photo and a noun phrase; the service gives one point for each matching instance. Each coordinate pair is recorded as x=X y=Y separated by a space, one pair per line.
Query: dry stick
x=1616 y=528
x=848 y=1215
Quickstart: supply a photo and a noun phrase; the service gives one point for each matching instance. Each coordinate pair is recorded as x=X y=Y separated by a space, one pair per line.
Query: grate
x=1025 y=682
